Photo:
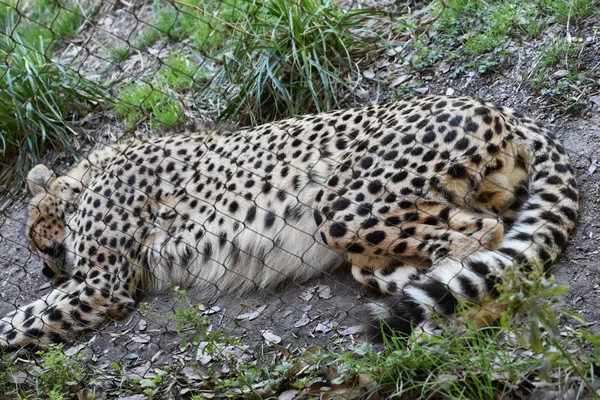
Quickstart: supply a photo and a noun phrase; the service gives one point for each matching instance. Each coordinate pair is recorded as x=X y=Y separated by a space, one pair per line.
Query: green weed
x=527 y=350
x=50 y=20
x=275 y=58
x=207 y=23
x=148 y=37
x=52 y=375
x=479 y=31
x=58 y=372
x=496 y=362
x=144 y=100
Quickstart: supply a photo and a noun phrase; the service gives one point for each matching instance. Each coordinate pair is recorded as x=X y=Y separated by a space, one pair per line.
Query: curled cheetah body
x=415 y=194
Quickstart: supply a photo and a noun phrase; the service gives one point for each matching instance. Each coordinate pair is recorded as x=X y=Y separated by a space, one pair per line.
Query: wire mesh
x=169 y=254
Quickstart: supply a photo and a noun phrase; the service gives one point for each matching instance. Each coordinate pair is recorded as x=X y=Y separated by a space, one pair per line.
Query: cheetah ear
x=38 y=179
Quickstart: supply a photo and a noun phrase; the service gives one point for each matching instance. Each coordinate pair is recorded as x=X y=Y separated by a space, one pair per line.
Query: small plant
x=294 y=58
x=50 y=20
x=205 y=22
x=59 y=374
x=148 y=37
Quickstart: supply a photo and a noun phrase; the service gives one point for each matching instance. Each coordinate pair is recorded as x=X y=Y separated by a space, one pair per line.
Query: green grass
x=556 y=67
x=529 y=348
x=206 y=23
x=480 y=32
x=51 y=20
x=292 y=58
x=148 y=37
x=274 y=58
x=120 y=53
x=158 y=100
x=271 y=58
x=41 y=103
x=570 y=10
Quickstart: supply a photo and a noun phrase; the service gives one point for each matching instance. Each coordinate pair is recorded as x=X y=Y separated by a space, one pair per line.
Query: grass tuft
x=41 y=102
x=294 y=58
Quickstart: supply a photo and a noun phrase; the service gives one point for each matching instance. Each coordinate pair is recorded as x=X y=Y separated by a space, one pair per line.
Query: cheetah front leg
x=80 y=305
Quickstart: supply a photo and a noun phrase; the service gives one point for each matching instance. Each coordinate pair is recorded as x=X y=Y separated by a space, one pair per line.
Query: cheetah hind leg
x=413 y=231
x=464 y=234
x=384 y=274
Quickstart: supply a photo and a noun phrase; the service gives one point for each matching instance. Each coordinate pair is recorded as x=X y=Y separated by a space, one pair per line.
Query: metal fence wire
x=183 y=258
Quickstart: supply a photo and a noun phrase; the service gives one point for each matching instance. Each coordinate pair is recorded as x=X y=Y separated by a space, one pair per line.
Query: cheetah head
x=53 y=200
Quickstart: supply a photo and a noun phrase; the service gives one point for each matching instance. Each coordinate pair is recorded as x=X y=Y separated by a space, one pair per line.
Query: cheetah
x=429 y=199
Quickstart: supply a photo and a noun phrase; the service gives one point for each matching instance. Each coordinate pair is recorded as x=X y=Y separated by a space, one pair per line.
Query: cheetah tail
x=539 y=234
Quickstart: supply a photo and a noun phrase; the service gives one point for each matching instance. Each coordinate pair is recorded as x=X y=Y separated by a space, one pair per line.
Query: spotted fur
x=416 y=194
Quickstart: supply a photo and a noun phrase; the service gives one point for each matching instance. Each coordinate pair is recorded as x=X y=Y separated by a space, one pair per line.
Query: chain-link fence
x=180 y=258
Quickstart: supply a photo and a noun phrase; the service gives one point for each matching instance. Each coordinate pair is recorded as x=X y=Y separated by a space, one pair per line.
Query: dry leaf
x=305 y=320
x=252 y=315
x=212 y=310
x=593 y=167
x=325 y=292
x=270 y=336
x=289 y=394
x=324 y=327
x=141 y=325
x=202 y=355
x=307 y=295
x=561 y=73
x=351 y=330
x=400 y=80
x=443 y=68
x=144 y=338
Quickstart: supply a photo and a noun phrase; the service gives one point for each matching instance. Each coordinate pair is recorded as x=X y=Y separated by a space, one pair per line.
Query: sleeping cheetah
x=415 y=194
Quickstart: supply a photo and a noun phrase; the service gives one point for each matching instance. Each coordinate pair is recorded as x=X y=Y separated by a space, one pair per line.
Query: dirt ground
x=325 y=311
